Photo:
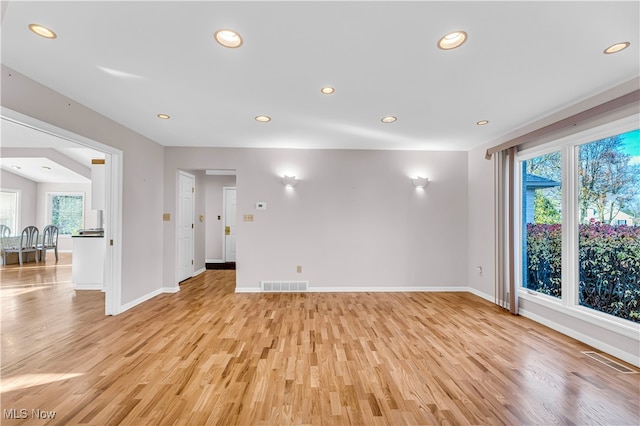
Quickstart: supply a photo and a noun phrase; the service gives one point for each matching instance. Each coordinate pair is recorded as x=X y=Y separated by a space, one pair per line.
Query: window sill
x=591 y=316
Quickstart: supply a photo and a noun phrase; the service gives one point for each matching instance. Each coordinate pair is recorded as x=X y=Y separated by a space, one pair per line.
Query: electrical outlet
x=299 y=269
x=247 y=218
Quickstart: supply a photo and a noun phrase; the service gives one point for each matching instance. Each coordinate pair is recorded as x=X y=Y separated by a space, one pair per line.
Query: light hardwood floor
x=206 y=355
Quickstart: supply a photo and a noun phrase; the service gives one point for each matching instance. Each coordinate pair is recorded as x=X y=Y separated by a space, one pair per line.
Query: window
x=66 y=211
x=580 y=222
x=9 y=204
x=608 y=248
x=542 y=224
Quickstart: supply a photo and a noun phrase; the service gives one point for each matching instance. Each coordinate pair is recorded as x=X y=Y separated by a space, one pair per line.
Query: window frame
x=569 y=302
x=49 y=211
x=16 y=230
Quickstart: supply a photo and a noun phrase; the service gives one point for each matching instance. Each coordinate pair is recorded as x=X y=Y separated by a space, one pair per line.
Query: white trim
x=220 y=172
x=178 y=278
x=214 y=261
x=198 y=272
x=360 y=289
x=482 y=295
x=224 y=222
x=139 y=300
x=18 y=193
x=88 y=287
x=612 y=350
x=148 y=296
x=113 y=260
x=600 y=319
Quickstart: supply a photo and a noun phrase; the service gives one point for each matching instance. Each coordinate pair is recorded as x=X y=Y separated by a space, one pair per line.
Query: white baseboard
x=385 y=289
x=88 y=287
x=139 y=300
x=198 y=272
x=485 y=296
x=359 y=289
x=214 y=261
x=612 y=350
x=148 y=296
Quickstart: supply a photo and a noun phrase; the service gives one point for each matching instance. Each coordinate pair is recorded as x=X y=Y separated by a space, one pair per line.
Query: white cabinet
x=87 y=262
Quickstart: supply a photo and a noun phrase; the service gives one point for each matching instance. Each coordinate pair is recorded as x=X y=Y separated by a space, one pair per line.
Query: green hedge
x=609 y=266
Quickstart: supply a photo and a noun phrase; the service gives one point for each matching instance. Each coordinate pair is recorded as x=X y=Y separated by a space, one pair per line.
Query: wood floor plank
x=207 y=355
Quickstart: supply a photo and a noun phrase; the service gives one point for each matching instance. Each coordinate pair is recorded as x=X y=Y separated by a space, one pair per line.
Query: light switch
x=261 y=205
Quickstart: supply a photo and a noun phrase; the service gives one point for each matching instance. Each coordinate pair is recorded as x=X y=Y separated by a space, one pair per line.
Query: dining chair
x=28 y=244
x=49 y=241
x=5 y=232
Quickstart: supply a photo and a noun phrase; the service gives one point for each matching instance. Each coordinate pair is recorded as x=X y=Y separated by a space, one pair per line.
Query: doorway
x=229 y=224
x=220 y=249
x=48 y=136
x=186 y=226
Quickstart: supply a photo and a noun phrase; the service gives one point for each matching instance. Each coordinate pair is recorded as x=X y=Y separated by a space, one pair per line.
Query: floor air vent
x=611 y=363
x=284 y=286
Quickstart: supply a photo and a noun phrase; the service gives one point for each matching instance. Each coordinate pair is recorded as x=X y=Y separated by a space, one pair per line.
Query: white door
x=229 y=224
x=186 y=190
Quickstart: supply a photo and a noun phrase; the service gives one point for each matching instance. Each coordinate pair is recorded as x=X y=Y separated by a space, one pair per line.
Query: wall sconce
x=420 y=182
x=289 y=181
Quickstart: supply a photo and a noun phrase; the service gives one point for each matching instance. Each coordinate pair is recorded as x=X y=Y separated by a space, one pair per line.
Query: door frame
x=179 y=214
x=224 y=210
x=113 y=202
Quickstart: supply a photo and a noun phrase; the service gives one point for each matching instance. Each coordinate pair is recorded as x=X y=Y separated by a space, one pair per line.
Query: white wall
x=481 y=245
x=354 y=220
x=27 y=190
x=142 y=230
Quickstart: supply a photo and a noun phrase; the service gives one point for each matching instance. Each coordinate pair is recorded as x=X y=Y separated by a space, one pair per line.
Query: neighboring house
x=532 y=183
x=620 y=218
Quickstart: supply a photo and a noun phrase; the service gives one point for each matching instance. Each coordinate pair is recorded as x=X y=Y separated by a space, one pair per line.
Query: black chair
x=49 y=241
x=28 y=244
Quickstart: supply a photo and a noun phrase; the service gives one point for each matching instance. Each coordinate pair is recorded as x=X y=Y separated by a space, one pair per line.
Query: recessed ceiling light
x=327 y=90
x=482 y=122
x=452 y=40
x=46 y=167
x=616 y=48
x=42 y=31
x=228 y=38
x=388 y=119
x=14 y=167
x=263 y=118
x=164 y=116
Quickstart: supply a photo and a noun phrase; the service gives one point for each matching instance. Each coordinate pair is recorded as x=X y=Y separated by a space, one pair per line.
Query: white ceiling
x=36 y=143
x=132 y=60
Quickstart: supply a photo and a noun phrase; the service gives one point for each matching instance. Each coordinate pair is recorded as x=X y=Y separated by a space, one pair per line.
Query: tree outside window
x=67 y=212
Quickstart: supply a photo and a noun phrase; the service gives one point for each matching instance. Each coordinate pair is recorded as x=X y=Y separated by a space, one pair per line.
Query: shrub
x=544 y=257
x=609 y=266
